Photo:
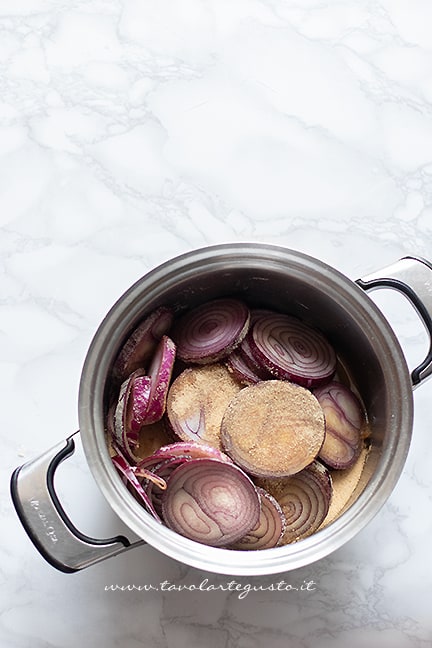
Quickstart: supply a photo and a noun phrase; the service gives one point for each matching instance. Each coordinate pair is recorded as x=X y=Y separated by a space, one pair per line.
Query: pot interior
x=288 y=282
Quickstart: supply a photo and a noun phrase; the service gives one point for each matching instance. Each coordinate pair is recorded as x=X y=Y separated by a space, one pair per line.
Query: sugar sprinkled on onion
x=160 y=375
x=141 y=344
x=127 y=416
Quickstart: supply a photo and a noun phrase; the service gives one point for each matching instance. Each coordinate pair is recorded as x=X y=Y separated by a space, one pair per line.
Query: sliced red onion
x=192 y=450
x=246 y=353
x=192 y=426
x=345 y=419
x=130 y=411
x=273 y=429
x=304 y=499
x=197 y=400
x=148 y=463
x=163 y=470
x=210 y=501
x=292 y=350
x=141 y=344
x=154 y=478
x=211 y=331
x=207 y=497
x=127 y=471
x=269 y=529
x=140 y=470
x=163 y=461
x=155 y=463
x=240 y=370
x=160 y=375
x=138 y=403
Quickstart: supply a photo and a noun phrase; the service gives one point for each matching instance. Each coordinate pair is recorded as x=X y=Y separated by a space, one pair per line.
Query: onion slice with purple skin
x=240 y=370
x=269 y=529
x=129 y=412
x=160 y=375
x=211 y=331
x=191 y=449
x=163 y=461
x=292 y=350
x=304 y=498
x=163 y=470
x=345 y=418
x=141 y=344
x=249 y=359
x=140 y=471
x=212 y=502
x=148 y=463
x=138 y=403
x=127 y=471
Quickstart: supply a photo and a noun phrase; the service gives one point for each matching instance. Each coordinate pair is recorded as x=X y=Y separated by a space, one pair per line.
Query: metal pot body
x=269 y=277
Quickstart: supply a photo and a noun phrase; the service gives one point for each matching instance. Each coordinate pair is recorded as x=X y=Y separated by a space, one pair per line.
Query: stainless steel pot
x=272 y=277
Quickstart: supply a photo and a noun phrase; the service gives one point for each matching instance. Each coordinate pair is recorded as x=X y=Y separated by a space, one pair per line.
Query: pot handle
x=45 y=521
x=412 y=276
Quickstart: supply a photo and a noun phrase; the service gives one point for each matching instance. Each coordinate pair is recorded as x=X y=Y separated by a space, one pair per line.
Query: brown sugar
x=274 y=428
x=197 y=401
x=344 y=485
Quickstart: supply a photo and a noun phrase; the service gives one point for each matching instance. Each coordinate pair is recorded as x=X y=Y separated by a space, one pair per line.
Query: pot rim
x=108 y=337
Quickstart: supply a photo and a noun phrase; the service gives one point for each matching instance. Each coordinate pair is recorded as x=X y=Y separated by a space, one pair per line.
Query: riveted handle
x=45 y=521
x=411 y=276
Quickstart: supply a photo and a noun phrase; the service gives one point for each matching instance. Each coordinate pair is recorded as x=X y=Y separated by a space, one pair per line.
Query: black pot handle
x=411 y=276
x=45 y=521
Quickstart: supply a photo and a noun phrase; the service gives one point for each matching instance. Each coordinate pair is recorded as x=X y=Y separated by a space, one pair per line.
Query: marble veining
x=132 y=131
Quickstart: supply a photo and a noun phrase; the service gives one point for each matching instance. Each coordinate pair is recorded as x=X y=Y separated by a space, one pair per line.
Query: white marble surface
x=134 y=130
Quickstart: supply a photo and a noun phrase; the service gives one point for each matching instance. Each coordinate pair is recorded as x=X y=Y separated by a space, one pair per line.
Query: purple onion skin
x=138 y=403
x=211 y=502
x=292 y=350
x=345 y=418
x=128 y=472
x=211 y=331
x=124 y=416
x=160 y=372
